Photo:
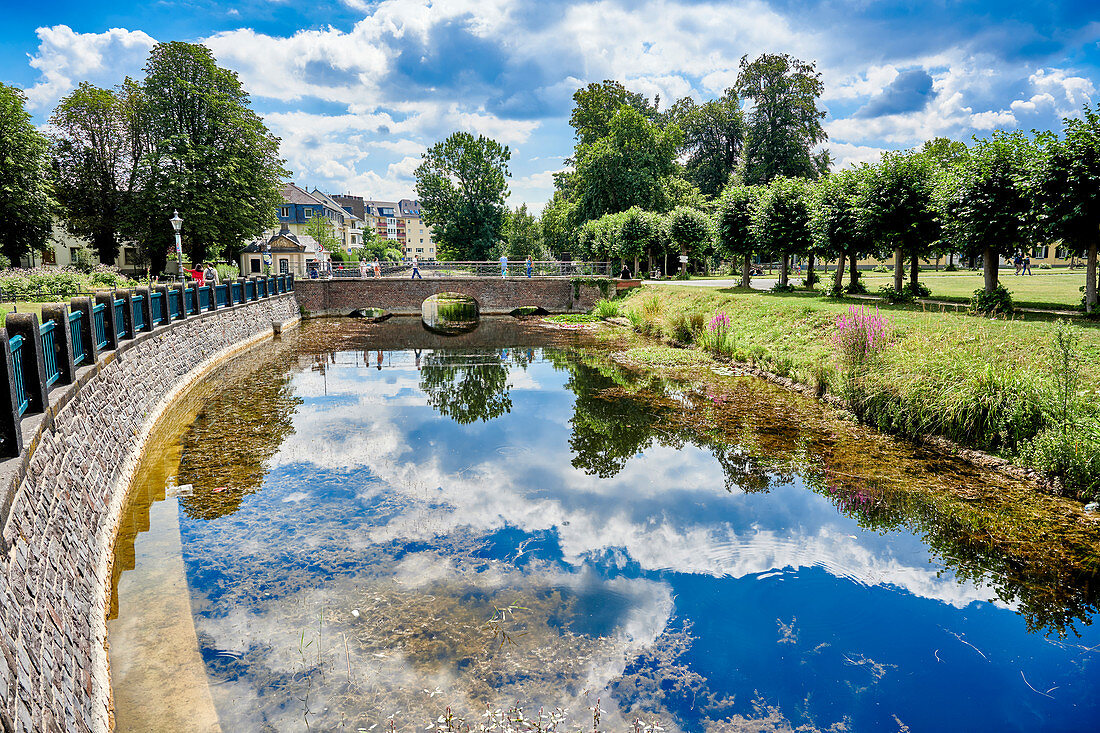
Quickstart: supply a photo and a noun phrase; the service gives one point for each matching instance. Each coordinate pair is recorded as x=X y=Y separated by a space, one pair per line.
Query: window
x=284 y=265
x=284 y=212
x=422 y=241
x=129 y=256
x=419 y=249
x=308 y=212
x=254 y=264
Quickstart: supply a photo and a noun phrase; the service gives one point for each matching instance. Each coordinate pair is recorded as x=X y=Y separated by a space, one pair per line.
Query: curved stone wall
x=66 y=492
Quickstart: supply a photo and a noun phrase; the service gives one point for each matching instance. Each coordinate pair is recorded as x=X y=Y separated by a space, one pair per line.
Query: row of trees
x=119 y=161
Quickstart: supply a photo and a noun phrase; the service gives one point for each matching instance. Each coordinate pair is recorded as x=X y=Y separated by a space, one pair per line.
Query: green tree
x=1066 y=190
x=944 y=153
x=209 y=155
x=25 y=199
x=985 y=201
x=596 y=104
x=95 y=164
x=639 y=234
x=322 y=230
x=837 y=222
x=559 y=234
x=898 y=203
x=733 y=221
x=461 y=184
x=523 y=235
x=784 y=124
x=626 y=168
x=714 y=135
x=689 y=232
x=781 y=221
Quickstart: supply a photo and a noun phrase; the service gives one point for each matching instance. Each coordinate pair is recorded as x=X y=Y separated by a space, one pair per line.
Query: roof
x=293 y=194
x=409 y=207
x=284 y=242
x=327 y=200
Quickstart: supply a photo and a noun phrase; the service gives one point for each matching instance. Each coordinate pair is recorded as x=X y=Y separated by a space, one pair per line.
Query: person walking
x=377 y=268
x=210 y=274
x=504 y=265
x=1018 y=261
x=529 y=263
x=362 y=268
x=416 y=268
x=1027 y=264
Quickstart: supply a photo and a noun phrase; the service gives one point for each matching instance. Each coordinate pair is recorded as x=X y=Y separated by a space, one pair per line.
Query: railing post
x=146 y=307
x=111 y=329
x=34 y=365
x=11 y=437
x=213 y=297
x=127 y=312
x=87 y=326
x=181 y=296
x=163 y=290
x=63 y=340
x=290 y=282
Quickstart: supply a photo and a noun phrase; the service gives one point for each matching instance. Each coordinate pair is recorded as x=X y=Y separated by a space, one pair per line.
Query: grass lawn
x=1042 y=289
x=20 y=307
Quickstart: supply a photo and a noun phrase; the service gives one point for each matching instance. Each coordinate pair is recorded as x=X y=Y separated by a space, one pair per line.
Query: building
x=284 y=252
x=299 y=208
x=349 y=226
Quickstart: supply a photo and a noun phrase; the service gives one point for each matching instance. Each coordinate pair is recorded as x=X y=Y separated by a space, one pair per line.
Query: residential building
x=283 y=252
x=349 y=226
x=299 y=208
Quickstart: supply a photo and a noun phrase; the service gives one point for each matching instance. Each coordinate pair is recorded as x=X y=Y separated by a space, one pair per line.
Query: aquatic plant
x=607 y=308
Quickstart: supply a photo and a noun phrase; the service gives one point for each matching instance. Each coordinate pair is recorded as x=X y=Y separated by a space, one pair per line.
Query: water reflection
x=470 y=526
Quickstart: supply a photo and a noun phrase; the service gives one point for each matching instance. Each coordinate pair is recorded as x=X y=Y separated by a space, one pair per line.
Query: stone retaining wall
x=403 y=296
x=66 y=493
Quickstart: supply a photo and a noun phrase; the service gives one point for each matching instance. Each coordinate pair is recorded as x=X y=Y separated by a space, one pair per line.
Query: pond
x=376 y=527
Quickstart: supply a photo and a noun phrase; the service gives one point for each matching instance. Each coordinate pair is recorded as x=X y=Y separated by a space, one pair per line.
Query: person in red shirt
x=198 y=276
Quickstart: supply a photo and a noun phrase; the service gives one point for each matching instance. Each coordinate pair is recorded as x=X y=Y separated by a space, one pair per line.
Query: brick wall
x=404 y=296
x=69 y=486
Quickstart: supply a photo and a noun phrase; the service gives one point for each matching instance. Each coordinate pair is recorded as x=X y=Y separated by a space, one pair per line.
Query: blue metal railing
x=189 y=301
x=139 y=313
x=77 y=336
x=156 y=303
x=173 y=303
x=263 y=287
x=249 y=290
x=237 y=296
x=100 y=325
x=21 y=401
x=120 y=318
x=204 y=298
x=221 y=295
x=290 y=283
x=49 y=351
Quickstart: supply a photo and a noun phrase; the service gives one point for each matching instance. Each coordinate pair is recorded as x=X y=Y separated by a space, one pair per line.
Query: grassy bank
x=986 y=384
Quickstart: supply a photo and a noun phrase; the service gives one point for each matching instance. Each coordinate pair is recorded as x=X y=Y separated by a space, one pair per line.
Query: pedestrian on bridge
x=416 y=268
x=528 y=266
x=504 y=265
x=377 y=268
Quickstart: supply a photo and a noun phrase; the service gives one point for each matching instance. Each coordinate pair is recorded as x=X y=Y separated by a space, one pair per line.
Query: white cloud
x=65 y=58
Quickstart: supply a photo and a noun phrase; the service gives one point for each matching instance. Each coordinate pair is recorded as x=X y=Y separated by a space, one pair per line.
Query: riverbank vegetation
x=1026 y=390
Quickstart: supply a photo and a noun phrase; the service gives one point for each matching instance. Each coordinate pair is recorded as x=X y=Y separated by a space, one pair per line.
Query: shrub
x=918 y=290
x=997 y=302
x=882 y=268
x=834 y=292
x=887 y=293
x=227 y=272
x=1073 y=457
x=950 y=267
x=606 y=308
x=777 y=288
x=856 y=288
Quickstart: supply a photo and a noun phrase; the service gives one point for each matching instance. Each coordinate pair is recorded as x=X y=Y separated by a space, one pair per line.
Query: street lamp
x=177 y=222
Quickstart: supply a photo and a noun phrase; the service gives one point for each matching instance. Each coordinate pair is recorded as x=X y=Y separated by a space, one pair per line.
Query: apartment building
x=397 y=221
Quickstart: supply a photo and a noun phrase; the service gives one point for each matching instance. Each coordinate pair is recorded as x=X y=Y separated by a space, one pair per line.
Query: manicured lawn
x=1043 y=288
x=20 y=307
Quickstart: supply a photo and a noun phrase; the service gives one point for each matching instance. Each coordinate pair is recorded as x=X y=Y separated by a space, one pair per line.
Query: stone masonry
x=404 y=296
x=69 y=487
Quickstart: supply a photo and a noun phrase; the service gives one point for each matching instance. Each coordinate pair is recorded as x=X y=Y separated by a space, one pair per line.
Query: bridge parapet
x=494 y=295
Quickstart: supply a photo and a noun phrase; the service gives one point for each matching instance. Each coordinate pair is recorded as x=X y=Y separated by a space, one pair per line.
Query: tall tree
x=943 y=152
x=734 y=225
x=210 y=156
x=639 y=233
x=626 y=168
x=558 y=232
x=714 y=135
x=461 y=184
x=1068 y=194
x=781 y=221
x=784 y=124
x=596 y=104
x=25 y=200
x=897 y=199
x=838 y=226
x=523 y=235
x=987 y=208
x=95 y=164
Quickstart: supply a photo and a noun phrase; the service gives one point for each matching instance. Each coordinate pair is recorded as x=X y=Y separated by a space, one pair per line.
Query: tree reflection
x=470 y=386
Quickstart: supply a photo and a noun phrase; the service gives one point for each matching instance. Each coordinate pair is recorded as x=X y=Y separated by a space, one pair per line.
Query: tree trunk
x=810 y=278
x=784 y=269
x=989 y=262
x=838 y=279
x=854 y=277
x=914 y=274
x=746 y=265
x=635 y=273
x=664 y=272
x=1090 y=281
x=899 y=270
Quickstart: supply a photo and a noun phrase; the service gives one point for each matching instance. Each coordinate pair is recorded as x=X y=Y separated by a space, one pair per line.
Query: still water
x=370 y=526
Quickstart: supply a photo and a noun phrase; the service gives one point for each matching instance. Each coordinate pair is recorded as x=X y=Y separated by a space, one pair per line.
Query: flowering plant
x=859 y=333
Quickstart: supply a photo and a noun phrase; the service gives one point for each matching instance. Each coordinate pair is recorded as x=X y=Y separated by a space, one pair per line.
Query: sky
x=358 y=90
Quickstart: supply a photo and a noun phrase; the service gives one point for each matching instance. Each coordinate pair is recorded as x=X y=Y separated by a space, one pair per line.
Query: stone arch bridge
x=494 y=295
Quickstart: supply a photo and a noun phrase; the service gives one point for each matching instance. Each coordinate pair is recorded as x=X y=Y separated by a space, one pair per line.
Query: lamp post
x=177 y=222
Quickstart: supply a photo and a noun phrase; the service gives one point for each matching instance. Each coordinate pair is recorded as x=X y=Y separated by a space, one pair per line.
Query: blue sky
x=357 y=90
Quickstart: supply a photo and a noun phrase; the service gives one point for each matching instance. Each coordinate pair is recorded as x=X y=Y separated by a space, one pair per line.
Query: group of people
x=207 y=274
x=1022 y=263
x=504 y=265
